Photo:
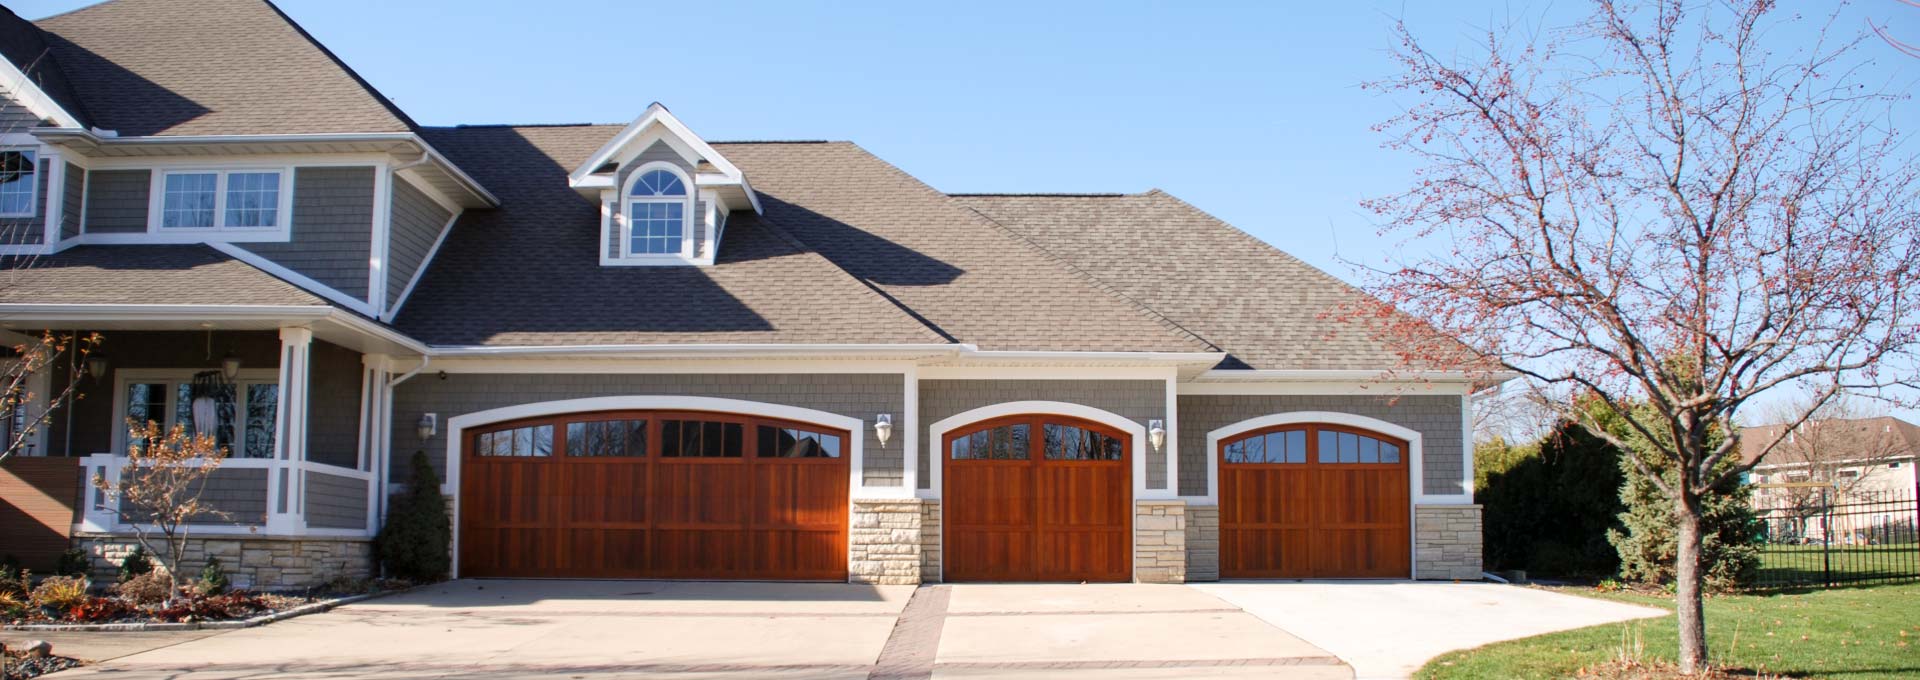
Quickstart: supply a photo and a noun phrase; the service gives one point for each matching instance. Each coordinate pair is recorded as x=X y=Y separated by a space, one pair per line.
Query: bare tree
x=1657 y=210
x=159 y=489
x=1909 y=49
x=27 y=412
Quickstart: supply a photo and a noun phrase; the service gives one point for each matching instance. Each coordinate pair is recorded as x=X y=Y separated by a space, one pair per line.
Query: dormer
x=664 y=193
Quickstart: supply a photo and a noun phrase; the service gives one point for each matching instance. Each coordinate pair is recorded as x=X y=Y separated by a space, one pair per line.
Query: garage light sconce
x=428 y=425
x=883 y=427
x=1156 y=433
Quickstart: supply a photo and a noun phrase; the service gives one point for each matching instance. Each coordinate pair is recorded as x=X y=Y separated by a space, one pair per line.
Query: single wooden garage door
x=1037 y=498
x=1314 y=501
x=654 y=494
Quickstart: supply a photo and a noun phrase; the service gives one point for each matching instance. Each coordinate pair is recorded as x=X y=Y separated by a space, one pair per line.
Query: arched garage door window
x=655 y=494
x=1314 y=500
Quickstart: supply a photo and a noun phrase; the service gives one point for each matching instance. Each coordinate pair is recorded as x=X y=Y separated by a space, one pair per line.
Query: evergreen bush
x=415 y=544
x=136 y=563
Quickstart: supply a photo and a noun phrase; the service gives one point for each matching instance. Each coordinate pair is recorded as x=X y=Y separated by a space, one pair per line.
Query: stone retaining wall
x=885 y=542
x=1203 y=543
x=1160 y=541
x=1446 y=542
x=257 y=562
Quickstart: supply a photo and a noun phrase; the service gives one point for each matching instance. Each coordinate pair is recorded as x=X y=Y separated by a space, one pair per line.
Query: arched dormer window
x=657 y=210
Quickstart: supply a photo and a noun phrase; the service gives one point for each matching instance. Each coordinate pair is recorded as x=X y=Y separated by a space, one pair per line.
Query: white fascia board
x=1384 y=375
x=164 y=312
x=31 y=96
x=695 y=350
x=655 y=114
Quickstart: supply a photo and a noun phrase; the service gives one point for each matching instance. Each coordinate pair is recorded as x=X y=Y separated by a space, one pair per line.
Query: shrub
x=60 y=592
x=1550 y=504
x=135 y=563
x=152 y=587
x=213 y=579
x=73 y=562
x=99 y=609
x=1648 y=540
x=16 y=582
x=414 y=543
x=13 y=606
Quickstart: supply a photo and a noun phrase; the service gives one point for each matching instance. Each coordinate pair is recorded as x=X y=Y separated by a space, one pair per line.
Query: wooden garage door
x=654 y=494
x=1037 y=498
x=1314 y=501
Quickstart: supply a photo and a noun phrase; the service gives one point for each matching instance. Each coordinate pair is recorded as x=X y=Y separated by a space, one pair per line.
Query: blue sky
x=1253 y=111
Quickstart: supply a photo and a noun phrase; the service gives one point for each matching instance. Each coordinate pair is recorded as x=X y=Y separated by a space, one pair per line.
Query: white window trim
x=687 y=224
x=33 y=202
x=283 y=213
x=127 y=376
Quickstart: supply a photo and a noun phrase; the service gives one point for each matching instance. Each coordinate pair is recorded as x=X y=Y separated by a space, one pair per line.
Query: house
x=634 y=352
x=1858 y=469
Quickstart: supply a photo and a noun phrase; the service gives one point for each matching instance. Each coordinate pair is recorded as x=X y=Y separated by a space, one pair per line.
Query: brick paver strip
x=1121 y=663
x=909 y=652
x=1099 y=612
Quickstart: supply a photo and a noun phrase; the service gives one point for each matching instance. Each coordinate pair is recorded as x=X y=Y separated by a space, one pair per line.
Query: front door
x=1037 y=498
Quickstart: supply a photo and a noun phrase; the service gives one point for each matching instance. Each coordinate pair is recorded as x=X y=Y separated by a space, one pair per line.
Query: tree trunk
x=1687 y=577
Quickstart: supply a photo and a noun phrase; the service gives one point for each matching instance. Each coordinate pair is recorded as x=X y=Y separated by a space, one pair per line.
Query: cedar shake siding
x=117 y=201
x=14 y=116
x=416 y=223
x=73 y=201
x=333 y=406
x=860 y=396
x=1436 y=418
x=1135 y=400
x=335 y=501
x=332 y=229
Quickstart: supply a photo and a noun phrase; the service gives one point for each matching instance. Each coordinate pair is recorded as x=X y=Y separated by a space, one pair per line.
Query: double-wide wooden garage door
x=1314 y=501
x=1037 y=498
x=654 y=494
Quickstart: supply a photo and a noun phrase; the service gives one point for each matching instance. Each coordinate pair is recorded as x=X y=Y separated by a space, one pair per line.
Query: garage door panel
x=1081 y=495
x=996 y=494
x=1036 y=498
x=1082 y=554
x=989 y=554
x=1289 y=509
x=591 y=496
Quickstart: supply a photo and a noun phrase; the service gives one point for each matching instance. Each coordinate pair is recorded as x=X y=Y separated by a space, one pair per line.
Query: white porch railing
x=286 y=512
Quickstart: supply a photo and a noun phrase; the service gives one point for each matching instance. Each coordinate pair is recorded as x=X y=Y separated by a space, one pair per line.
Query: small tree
x=159 y=489
x=415 y=543
x=30 y=357
x=1648 y=544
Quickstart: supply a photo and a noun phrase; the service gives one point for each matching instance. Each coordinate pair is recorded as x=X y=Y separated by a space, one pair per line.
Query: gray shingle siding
x=29 y=230
x=416 y=223
x=333 y=406
x=335 y=501
x=332 y=228
x=117 y=201
x=1135 y=400
x=1436 y=418
x=14 y=116
x=240 y=494
x=72 y=201
x=853 y=395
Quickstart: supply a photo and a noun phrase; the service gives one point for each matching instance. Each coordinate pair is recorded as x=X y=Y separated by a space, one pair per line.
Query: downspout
x=386 y=468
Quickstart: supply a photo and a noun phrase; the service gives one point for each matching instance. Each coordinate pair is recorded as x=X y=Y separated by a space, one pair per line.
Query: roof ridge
x=1096 y=283
x=779 y=231
x=378 y=97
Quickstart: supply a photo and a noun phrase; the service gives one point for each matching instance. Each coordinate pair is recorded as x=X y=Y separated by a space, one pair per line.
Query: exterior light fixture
x=883 y=427
x=428 y=425
x=230 y=366
x=1157 y=433
x=96 y=366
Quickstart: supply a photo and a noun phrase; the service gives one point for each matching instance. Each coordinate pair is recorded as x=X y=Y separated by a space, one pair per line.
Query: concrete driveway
x=1388 y=629
x=614 y=629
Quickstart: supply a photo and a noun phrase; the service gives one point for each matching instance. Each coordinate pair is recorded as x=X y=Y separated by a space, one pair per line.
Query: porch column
x=376 y=411
x=285 y=505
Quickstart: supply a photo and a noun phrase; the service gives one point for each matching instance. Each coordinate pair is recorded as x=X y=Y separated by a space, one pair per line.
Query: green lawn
x=1859 y=633
x=1804 y=564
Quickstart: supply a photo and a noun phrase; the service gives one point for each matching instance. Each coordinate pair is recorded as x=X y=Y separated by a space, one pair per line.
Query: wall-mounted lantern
x=230 y=366
x=883 y=427
x=428 y=425
x=1156 y=433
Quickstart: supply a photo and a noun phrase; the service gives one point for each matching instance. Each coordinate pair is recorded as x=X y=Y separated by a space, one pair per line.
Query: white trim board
x=1136 y=431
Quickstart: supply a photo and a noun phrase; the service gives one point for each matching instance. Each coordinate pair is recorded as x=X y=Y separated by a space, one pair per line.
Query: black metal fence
x=1822 y=537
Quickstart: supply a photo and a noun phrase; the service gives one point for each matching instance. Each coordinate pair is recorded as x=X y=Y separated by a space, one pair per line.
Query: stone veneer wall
x=885 y=542
x=1203 y=543
x=930 y=556
x=1446 y=542
x=1160 y=541
x=261 y=563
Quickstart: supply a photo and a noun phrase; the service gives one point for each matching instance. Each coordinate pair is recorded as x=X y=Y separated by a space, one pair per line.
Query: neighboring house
x=633 y=352
x=1864 y=467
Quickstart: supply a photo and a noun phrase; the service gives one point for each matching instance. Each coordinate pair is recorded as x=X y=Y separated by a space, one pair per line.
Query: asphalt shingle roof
x=144 y=274
x=209 y=67
x=528 y=272
x=26 y=46
x=1265 y=308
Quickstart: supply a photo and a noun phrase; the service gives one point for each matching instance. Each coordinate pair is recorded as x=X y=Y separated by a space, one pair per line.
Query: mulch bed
x=1643 y=670
x=22 y=666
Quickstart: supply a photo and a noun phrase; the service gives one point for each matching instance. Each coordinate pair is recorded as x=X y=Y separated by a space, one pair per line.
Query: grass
x=1806 y=565
x=1862 y=633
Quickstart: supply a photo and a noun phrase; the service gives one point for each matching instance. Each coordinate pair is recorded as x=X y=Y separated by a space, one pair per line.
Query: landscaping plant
x=1674 y=209
x=1550 y=504
x=213 y=578
x=415 y=542
x=73 y=562
x=159 y=490
x=135 y=564
x=60 y=593
x=151 y=588
x=1648 y=545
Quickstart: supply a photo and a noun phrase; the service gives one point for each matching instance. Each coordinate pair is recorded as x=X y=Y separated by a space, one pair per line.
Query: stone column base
x=1203 y=543
x=1446 y=542
x=884 y=543
x=1160 y=541
x=930 y=542
x=254 y=562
